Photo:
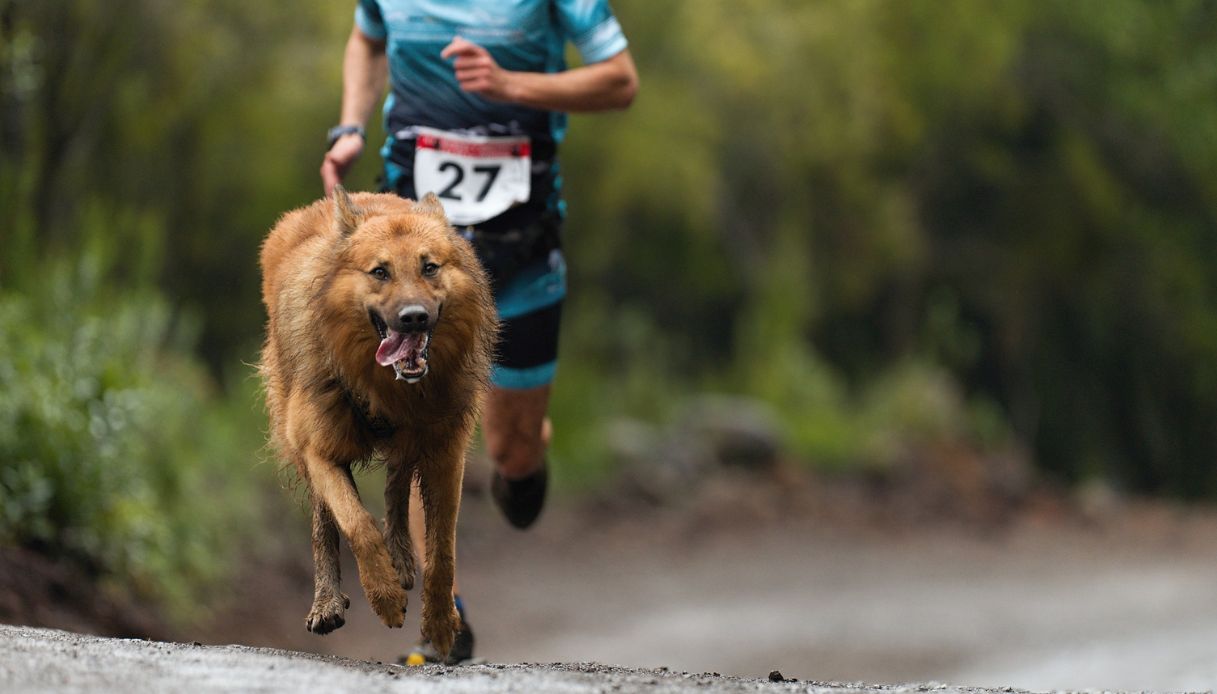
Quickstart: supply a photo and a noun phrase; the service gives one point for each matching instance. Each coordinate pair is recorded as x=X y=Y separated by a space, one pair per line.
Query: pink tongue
x=396 y=346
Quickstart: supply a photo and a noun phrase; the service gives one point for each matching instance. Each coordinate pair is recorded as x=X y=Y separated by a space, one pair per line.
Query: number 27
x=491 y=173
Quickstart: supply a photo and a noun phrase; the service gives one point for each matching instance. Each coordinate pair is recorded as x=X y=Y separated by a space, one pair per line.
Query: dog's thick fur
x=338 y=276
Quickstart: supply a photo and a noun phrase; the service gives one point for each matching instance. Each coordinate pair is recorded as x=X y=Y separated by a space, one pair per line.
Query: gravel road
x=46 y=660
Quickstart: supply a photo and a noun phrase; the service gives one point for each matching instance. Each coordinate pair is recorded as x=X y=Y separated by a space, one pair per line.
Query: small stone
x=776 y=676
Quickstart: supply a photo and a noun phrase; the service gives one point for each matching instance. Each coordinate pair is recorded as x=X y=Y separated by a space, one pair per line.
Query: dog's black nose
x=413 y=318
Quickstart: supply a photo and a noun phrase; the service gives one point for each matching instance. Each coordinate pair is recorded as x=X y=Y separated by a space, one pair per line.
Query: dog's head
x=403 y=268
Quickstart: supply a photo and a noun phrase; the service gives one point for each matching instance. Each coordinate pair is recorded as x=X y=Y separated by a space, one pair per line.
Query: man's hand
x=339 y=160
x=476 y=70
x=602 y=86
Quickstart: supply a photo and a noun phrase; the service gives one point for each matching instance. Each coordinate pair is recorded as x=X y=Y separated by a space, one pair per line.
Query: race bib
x=475 y=177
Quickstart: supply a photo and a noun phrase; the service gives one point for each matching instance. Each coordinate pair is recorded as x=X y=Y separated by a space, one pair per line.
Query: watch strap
x=338 y=131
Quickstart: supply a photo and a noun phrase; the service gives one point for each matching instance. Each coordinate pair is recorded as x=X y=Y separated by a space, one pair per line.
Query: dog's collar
x=379 y=427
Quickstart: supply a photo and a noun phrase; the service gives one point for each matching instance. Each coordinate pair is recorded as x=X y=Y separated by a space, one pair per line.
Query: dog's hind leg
x=333 y=485
x=397 y=520
x=440 y=484
x=329 y=603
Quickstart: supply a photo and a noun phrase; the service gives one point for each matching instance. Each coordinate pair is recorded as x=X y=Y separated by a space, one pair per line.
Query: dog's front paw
x=439 y=626
x=328 y=613
x=388 y=602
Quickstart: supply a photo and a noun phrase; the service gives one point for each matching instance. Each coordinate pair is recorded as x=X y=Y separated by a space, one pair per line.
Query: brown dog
x=378 y=347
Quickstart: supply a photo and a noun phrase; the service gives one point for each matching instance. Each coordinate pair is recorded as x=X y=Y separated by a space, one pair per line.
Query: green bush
x=114 y=448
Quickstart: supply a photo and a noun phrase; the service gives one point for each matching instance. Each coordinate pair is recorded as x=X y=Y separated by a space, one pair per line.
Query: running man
x=479 y=92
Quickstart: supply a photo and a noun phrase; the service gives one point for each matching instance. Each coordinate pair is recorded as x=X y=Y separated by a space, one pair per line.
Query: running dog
x=378 y=348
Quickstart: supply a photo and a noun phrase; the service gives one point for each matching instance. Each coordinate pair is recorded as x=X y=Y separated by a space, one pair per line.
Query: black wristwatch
x=339 y=130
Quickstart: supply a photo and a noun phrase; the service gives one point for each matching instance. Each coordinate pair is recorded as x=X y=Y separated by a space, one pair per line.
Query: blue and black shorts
x=521 y=249
x=530 y=309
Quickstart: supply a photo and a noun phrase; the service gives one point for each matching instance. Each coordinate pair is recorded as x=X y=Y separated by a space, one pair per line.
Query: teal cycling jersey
x=521 y=35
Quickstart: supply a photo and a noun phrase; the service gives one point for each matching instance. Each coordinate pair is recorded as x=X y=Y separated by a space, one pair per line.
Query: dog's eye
x=430 y=268
x=380 y=273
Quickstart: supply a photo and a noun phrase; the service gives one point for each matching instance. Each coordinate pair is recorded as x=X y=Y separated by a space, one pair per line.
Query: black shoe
x=520 y=500
x=425 y=653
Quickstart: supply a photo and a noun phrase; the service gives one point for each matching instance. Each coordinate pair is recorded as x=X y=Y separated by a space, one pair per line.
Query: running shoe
x=425 y=653
x=520 y=500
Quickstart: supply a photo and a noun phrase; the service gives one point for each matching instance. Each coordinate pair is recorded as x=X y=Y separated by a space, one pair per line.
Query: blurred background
x=931 y=285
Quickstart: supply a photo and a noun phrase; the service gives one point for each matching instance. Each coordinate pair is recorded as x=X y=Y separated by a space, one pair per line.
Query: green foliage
x=117 y=451
x=1017 y=196
x=203 y=115
x=626 y=367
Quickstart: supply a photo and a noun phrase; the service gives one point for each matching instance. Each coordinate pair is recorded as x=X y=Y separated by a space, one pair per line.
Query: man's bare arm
x=365 y=70
x=608 y=85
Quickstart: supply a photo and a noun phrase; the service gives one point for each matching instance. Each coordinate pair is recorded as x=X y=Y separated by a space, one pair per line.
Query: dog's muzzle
x=404 y=345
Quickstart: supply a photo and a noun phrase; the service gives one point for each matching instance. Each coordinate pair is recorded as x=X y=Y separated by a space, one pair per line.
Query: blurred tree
x=199 y=118
x=1046 y=169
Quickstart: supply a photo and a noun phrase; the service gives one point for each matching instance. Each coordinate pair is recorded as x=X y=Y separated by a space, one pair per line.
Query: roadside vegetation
x=119 y=453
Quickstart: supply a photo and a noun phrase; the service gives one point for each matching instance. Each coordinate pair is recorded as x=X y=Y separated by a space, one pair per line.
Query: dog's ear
x=432 y=206
x=346 y=215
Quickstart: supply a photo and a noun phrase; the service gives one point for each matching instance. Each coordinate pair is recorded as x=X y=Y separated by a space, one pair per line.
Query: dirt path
x=1124 y=605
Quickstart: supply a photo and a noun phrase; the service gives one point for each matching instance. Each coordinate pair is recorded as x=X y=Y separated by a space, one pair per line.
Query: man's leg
x=514 y=424
x=516 y=429
x=517 y=435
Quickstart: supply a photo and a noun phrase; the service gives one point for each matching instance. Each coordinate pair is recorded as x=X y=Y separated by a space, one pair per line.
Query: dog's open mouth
x=406 y=352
